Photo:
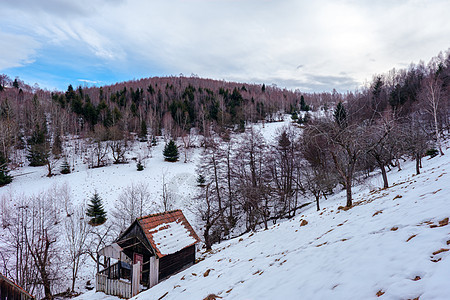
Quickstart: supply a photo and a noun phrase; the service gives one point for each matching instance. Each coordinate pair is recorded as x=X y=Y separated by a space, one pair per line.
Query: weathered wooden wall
x=172 y=263
x=9 y=291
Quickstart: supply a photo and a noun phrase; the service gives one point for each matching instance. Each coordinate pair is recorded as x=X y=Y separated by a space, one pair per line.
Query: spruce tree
x=38 y=148
x=65 y=167
x=143 y=133
x=16 y=83
x=171 y=152
x=95 y=211
x=5 y=178
x=303 y=105
x=340 y=115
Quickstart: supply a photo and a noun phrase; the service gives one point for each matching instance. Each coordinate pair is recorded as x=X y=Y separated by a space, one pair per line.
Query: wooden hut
x=11 y=291
x=151 y=248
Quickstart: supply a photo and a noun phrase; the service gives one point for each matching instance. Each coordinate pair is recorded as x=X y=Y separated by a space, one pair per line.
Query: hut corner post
x=135 y=279
x=154 y=270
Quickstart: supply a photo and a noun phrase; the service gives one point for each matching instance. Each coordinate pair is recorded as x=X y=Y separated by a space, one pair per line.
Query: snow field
x=384 y=246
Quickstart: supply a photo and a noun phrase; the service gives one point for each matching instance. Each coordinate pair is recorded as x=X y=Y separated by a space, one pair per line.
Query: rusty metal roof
x=168 y=232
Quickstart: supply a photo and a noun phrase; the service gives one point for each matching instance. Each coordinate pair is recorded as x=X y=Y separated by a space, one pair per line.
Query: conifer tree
x=96 y=211
x=171 y=152
x=303 y=105
x=65 y=167
x=38 y=148
x=340 y=115
x=5 y=178
x=143 y=133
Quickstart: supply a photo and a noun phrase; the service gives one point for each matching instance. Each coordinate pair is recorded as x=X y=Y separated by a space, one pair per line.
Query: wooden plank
x=154 y=271
x=135 y=279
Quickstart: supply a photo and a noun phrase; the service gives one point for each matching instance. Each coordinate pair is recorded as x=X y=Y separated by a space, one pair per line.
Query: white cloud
x=19 y=50
x=249 y=39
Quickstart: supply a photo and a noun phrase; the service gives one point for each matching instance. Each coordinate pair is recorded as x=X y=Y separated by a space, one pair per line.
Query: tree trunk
x=417 y=164
x=317 y=201
x=348 y=188
x=384 y=175
x=207 y=237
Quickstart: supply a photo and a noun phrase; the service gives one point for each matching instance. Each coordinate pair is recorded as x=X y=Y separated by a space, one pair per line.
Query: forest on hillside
x=244 y=181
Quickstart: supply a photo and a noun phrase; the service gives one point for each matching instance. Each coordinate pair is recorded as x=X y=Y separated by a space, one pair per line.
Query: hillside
x=393 y=244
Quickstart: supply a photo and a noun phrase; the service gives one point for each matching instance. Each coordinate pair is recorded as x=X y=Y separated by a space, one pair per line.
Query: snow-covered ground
x=391 y=244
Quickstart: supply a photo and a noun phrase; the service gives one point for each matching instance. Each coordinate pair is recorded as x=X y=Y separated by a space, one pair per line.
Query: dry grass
x=411 y=237
x=440 y=251
x=395 y=228
x=443 y=222
x=206 y=273
x=212 y=297
x=303 y=223
x=380 y=293
x=376 y=213
x=417 y=278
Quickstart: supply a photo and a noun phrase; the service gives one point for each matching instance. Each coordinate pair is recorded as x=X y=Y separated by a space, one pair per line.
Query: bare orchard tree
x=119 y=144
x=167 y=195
x=42 y=239
x=343 y=142
x=253 y=179
x=285 y=157
x=432 y=94
x=98 y=238
x=318 y=172
x=16 y=261
x=98 y=148
x=76 y=233
x=205 y=208
x=415 y=139
x=135 y=201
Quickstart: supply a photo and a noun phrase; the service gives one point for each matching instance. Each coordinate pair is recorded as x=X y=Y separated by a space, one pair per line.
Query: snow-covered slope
x=392 y=244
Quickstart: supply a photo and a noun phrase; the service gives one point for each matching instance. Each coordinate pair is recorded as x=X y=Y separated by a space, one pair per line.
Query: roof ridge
x=158 y=214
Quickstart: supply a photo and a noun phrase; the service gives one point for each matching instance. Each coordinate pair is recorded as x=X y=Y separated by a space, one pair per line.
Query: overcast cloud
x=309 y=45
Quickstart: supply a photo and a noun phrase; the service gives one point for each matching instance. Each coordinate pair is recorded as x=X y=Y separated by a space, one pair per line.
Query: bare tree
x=206 y=210
x=253 y=179
x=167 y=197
x=76 y=233
x=343 y=143
x=99 y=148
x=134 y=201
x=119 y=145
x=432 y=94
x=42 y=236
x=16 y=259
x=284 y=162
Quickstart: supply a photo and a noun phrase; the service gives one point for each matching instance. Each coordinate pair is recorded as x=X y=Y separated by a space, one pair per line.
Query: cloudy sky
x=310 y=45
